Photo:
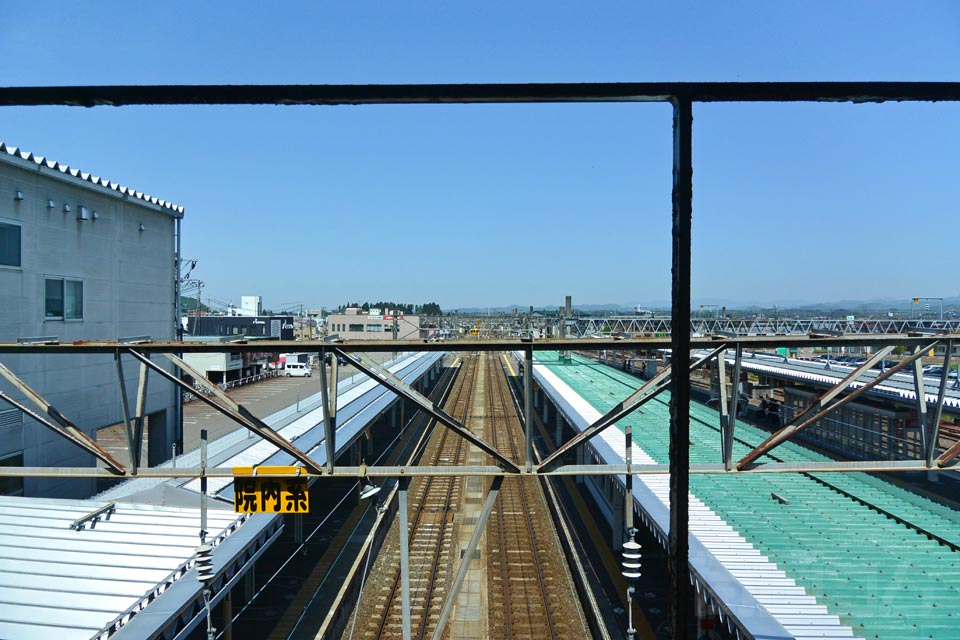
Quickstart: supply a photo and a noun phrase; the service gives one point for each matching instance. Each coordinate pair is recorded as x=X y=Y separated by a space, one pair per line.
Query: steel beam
x=793 y=428
x=59 y=424
x=141 y=412
x=723 y=406
x=328 y=392
x=237 y=412
x=307 y=94
x=727 y=449
x=398 y=386
x=935 y=427
x=474 y=344
x=647 y=392
x=404 y=559
x=528 y=408
x=467 y=558
x=922 y=420
x=342 y=471
x=677 y=562
x=125 y=409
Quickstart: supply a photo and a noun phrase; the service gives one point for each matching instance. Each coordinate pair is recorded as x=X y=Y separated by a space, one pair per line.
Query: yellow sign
x=272 y=490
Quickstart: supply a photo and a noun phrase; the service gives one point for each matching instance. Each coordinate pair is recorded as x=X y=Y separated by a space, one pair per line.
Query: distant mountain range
x=864 y=306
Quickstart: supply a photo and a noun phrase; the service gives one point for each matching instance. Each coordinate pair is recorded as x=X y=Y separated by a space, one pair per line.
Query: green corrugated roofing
x=881 y=577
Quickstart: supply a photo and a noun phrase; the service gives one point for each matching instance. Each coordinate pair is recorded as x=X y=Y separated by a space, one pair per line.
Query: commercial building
x=81 y=258
x=377 y=324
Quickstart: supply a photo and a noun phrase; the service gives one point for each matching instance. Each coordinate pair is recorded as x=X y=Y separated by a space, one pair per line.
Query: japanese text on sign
x=265 y=494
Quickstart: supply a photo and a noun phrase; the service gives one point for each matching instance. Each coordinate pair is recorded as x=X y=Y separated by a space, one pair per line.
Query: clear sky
x=471 y=205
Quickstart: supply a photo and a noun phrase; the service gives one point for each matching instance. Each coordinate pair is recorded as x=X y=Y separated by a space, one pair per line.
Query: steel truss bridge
x=653 y=326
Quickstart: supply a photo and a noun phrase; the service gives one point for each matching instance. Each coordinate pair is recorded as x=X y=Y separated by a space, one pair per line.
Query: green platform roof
x=864 y=562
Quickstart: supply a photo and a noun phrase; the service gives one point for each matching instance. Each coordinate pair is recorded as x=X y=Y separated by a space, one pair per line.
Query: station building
x=378 y=324
x=81 y=258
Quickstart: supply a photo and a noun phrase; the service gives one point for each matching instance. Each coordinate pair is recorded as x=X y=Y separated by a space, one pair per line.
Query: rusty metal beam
x=59 y=424
x=647 y=392
x=792 y=428
x=237 y=412
x=398 y=386
x=342 y=471
x=567 y=344
x=686 y=92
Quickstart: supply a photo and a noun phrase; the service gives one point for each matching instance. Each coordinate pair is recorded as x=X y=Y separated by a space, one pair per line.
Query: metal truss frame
x=681 y=95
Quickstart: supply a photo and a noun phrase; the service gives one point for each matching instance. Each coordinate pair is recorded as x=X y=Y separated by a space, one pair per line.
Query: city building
x=81 y=258
x=377 y=324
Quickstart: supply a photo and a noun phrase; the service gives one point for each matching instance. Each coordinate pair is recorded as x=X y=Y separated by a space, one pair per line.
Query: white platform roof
x=742 y=584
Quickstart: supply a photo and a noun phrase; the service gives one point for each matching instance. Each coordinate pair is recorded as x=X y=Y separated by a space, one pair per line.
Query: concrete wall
x=128 y=276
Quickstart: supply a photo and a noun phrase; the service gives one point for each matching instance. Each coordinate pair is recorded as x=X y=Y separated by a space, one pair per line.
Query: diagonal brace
x=233 y=410
x=398 y=386
x=824 y=406
x=59 y=422
x=650 y=389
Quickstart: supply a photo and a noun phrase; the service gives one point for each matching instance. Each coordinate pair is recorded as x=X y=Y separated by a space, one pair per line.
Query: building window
x=64 y=299
x=12 y=485
x=355 y=327
x=10 y=245
x=375 y=328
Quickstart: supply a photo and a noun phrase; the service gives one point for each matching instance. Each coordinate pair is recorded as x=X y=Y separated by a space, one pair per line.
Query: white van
x=298 y=369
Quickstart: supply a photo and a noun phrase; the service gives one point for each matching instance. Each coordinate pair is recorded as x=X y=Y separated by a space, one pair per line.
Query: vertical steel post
x=203 y=486
x=724 y=408
x=329 y=406
x=405 y=559
x=935 y=422
x=734 y=408
x=528 y=405
x=124 y=407
x=921 y=394
x=628 y=499
x=680 y=381
x=140 y=413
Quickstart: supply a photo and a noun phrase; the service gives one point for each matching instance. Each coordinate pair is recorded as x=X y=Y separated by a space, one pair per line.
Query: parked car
x=296 y=369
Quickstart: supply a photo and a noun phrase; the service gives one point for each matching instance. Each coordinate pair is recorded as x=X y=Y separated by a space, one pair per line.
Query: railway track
x=530 y=591
x=434 y=502
x=530 y=594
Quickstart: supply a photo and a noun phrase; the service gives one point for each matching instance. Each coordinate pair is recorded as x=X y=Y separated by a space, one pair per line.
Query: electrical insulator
x=204 y=563
x=631 y=561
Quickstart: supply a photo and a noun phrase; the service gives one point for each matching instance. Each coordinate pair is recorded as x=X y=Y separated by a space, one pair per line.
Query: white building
x=81 y=258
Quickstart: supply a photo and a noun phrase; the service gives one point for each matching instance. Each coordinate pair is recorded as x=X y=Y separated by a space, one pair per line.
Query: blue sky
x=471 y=205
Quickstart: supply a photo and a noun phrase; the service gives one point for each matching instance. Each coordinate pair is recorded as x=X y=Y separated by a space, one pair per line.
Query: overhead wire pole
x=677 y=562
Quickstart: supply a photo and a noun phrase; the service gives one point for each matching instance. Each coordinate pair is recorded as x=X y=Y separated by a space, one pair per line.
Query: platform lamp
x=631 y=573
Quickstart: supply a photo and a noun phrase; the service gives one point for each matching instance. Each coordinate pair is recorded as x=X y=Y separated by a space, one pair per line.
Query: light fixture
x=83 y=213
x=142 y=228
x=96 y=216
x=368 y=490
x=66 y=208
x=51 y=204
x=18 y=195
